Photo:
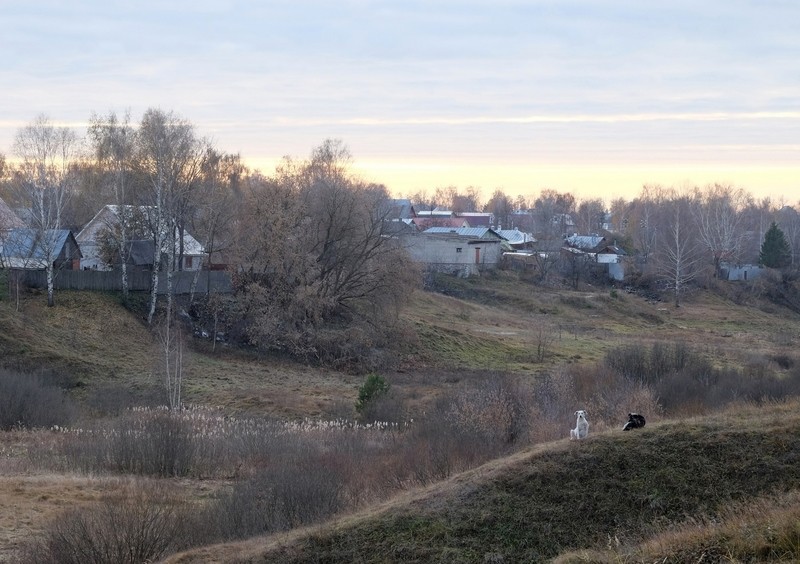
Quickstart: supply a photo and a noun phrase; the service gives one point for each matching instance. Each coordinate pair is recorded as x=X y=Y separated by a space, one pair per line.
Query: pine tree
x=775 y=251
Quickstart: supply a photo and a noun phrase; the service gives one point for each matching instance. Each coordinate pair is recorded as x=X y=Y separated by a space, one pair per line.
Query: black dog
x=635 y=421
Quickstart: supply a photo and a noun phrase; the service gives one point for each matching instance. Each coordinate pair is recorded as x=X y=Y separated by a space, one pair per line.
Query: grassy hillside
x=91 y=344
x=494 y=323
x=703 y=484
x=605 y=495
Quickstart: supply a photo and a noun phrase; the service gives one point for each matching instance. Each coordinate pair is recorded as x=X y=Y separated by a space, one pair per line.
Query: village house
x=31 y=249
x=517 y=240
x=462 y=251
x=108 y=219
x=597 y=249
x=739 y=272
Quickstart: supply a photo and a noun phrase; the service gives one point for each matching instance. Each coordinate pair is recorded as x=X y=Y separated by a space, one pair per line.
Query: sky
x=592 y=97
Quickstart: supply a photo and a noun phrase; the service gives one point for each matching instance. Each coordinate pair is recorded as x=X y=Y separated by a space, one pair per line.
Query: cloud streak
x=555 y=119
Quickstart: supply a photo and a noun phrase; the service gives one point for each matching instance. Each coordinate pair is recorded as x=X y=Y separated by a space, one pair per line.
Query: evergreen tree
x=775 y=251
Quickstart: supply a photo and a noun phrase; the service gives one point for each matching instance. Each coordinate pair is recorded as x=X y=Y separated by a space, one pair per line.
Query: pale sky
x=595 y=97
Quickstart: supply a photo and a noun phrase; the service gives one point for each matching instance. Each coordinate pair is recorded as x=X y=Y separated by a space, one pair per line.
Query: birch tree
x=45 y=180
x=113 y=140
x=678 y=251
x=167 y=158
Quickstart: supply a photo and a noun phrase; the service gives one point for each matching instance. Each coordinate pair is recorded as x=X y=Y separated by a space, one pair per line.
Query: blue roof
x=25 y=243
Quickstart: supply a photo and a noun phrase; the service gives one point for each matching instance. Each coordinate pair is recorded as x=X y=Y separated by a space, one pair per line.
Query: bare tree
x=219 y=197
x=789 y=220
x=718 y=215
x=620 y=215
x=502 y=207
x=644 y=220
x=553 y=212
x=113 y=140
x=45 y=180
x=171 y=343
x=316 y=256
x=168 y=156
x=589 y=216
x=678 y=251
x=456 y=200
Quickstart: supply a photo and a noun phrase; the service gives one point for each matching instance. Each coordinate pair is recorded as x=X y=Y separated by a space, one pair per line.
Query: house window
x=188 y=261
x=458 y=249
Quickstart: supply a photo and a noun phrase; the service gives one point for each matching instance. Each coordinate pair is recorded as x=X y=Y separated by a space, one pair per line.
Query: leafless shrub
x=151 y=443
x=387 y=407
x=142 y=524
x=298 y=490
x=27 y=401
x=609 y=396
x=493 y=410
x=638 y=363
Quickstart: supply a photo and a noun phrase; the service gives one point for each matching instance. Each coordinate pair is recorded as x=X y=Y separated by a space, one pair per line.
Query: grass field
x=103 y=353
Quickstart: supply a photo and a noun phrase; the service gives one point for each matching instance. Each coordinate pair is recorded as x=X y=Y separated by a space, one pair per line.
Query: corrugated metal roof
x=475 y=232
x=26 y=243
x=584 y=242
x=515 y=236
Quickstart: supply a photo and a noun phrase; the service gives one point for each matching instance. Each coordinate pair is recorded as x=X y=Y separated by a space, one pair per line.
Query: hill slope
x=562 y=496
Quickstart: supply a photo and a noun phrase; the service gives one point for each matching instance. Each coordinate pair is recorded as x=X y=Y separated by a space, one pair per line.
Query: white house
x=108 y=218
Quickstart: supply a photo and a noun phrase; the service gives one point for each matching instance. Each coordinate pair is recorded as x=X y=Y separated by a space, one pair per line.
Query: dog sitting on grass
x=635 y=421
x=581 y=430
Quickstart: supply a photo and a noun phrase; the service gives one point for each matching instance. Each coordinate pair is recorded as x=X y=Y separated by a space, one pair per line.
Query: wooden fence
x=204 y=281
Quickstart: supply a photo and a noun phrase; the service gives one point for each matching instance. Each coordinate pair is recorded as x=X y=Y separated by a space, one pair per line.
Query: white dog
x=581 y=430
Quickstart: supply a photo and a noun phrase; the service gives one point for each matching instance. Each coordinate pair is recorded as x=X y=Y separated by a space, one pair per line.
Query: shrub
x=142 y=524
x=146 y=443
x=636 y=362
x=304 y=488
x=27 y=401
x=375 y=387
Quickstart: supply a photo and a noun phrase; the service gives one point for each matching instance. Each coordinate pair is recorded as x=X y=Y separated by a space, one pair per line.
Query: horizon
x=596 y=99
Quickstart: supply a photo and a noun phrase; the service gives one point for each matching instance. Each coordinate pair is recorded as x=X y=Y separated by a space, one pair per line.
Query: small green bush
x=374 y=388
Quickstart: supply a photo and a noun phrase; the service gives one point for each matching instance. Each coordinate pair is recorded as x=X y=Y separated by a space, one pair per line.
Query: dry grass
x=619 y=486
x=488 y=324
x=28 y=502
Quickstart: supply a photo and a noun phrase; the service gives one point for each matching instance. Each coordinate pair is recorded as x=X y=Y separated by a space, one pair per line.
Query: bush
x=374 y=388
x=301 y=489
x=27 y=401
x=146 y=443
x=636 y=362
x=143 y=524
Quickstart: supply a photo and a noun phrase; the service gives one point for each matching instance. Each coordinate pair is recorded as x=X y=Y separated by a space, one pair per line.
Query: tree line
x=316 y=273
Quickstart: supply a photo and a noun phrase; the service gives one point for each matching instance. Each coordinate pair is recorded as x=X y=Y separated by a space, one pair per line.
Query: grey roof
x=400 y=208
x=141 y=252
x=584 y=242
x=474 y=232
x=8 y=219
x=515 y=236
